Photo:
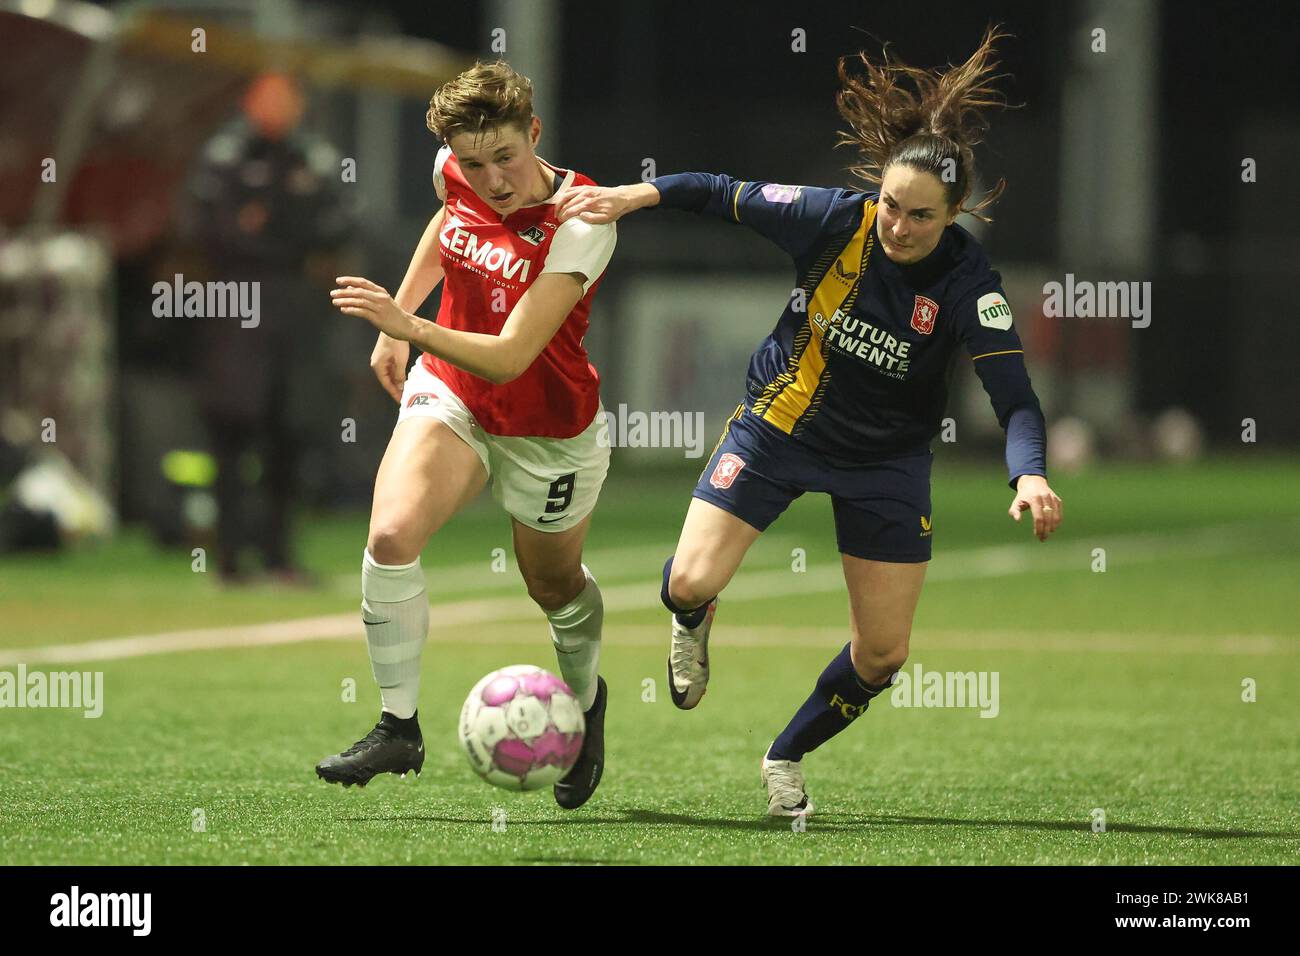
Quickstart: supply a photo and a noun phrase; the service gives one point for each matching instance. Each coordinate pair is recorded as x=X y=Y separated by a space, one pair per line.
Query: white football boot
x=786 y=796
x=688 y=660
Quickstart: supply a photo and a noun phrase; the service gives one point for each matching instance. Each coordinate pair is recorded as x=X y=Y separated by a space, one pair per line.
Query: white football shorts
x=549 y=484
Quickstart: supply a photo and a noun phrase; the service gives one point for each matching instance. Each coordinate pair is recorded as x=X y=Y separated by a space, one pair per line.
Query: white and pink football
x=521 y=728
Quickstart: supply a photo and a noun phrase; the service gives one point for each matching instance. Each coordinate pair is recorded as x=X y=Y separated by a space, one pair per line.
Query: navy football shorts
x=882 y=510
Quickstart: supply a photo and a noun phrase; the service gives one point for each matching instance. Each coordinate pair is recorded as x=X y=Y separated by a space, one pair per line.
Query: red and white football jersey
x=488 y=264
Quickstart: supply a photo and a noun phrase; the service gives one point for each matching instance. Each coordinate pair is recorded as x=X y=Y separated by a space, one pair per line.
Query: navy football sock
x=840 y=698
x=688 y=617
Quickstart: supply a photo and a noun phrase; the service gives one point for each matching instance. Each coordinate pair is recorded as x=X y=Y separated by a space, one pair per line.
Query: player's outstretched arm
x=985 y=327
x=498 y=358
x=1007 y=383
x=604 y=204
x=790 y=216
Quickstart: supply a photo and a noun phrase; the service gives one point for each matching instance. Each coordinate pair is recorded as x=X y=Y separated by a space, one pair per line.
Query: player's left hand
x=358 y=296
x=1033 y=493
x=594 y=204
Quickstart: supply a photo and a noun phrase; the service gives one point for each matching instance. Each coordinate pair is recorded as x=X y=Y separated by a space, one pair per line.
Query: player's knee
x=551 y=592
x=690 y=585
x=876 y=660
x=388 y=544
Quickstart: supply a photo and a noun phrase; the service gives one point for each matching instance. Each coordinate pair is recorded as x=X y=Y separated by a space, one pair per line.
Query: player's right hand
x=388 y=361
x=594 y=204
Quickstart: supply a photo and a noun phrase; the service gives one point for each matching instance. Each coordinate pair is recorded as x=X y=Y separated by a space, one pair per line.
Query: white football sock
x=575 y=632
x=395 y=610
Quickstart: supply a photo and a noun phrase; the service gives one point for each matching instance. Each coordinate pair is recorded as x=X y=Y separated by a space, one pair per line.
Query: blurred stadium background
x=1173 y=445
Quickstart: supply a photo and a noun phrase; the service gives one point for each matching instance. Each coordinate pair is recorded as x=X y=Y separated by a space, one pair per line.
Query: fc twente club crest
x=923 y=314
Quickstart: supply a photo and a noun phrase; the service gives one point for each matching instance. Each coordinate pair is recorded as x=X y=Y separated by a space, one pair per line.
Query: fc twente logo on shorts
x=725 y=473
x=421 y=398
x=923 y=314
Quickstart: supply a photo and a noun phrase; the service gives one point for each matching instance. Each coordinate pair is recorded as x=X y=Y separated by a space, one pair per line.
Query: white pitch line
x=478 y=576
x=1001 y=561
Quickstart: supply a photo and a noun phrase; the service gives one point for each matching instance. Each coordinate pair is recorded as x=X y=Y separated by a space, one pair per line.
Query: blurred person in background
x=266 y=203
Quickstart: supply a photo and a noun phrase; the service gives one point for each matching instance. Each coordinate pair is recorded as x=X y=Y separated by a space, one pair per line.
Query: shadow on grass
x=823 y=823
x=629 y=817
x=1086 y=827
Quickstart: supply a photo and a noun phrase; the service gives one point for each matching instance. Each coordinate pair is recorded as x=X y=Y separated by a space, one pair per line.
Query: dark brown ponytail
x=931 y=126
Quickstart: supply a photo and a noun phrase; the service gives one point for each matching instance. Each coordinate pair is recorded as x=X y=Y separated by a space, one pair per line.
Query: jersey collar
x=932 y=266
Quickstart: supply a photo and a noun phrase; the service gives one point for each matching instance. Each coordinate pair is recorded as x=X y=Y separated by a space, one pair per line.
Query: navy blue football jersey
x=859 y=365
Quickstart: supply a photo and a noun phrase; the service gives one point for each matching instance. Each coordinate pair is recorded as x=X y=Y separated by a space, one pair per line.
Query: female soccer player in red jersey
x=503 y=391
x=846 y=393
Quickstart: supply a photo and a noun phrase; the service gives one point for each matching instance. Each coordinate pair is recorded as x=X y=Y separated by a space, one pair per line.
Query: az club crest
x=923 y=314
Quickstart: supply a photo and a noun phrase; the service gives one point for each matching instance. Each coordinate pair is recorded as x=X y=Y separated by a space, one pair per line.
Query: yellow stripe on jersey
x=787 y=397
x=1007 y=352
x=735 y=202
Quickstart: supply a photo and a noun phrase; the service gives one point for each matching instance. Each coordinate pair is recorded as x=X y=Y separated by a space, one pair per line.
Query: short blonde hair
x=486 y=96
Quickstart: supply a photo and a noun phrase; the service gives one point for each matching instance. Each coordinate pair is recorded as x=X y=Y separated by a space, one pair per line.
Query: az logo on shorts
x=725 y=473
x=422 y=398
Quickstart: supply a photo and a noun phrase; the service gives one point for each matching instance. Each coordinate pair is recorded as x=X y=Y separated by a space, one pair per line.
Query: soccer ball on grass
x=521 y=728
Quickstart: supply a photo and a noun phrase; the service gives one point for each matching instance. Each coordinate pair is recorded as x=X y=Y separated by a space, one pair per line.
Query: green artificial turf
x=1119 y=691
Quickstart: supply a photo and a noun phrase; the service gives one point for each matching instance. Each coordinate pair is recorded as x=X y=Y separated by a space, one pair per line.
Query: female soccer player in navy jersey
x=503 y=391
x=846 y=393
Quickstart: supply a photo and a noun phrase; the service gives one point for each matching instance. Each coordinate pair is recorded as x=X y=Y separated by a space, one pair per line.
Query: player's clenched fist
x=388 y=361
